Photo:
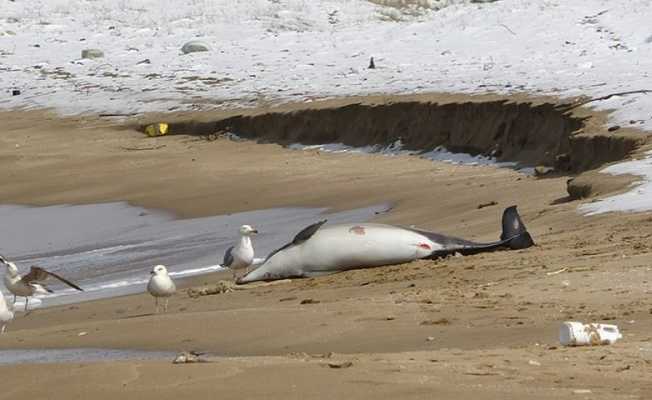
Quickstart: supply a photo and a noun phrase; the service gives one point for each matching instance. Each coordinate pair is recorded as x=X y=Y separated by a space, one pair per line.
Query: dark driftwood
x=118 y=115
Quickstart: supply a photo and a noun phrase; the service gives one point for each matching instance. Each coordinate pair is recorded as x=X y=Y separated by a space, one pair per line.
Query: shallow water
x=109 y=249
x=31 y=356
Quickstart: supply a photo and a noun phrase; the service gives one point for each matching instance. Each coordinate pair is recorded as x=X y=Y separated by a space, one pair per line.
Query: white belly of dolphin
x=343 y=247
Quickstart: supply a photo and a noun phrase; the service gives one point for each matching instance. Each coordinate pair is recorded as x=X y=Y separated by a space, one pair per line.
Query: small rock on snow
x=92 y=53
x=194 y=46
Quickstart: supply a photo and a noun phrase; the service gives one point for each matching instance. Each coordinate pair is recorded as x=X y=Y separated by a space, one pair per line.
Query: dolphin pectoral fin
x=259 y=274
x=266 y=277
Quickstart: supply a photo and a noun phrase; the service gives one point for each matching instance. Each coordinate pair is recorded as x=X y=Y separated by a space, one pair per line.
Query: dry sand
x=482 y=326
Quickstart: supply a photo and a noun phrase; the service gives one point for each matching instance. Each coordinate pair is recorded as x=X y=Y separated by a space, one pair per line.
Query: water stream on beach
x=109 y=249
x=87 y=355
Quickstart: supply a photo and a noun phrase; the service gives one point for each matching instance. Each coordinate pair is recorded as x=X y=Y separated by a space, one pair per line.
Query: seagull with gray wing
x=241 y=256
x=30 y=284
x=161 y=285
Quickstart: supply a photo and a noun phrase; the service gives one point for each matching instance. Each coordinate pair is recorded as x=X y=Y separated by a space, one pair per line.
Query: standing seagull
x=6 y=313
x=240 y=256
x=28 y=285
x=161 y=285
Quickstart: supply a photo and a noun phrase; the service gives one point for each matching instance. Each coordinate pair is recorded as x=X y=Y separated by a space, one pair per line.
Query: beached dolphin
x=320 y=250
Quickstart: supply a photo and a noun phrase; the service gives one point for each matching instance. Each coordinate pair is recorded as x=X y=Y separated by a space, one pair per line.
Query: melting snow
x=637 y=199
x=396 y=149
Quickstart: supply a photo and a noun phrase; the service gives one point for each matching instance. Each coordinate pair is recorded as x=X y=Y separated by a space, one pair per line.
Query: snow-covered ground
x=637 y=199
x=266 y=51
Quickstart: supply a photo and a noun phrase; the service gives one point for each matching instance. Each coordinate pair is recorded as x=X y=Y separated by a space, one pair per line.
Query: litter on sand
x=158 y=129
x=574 y=333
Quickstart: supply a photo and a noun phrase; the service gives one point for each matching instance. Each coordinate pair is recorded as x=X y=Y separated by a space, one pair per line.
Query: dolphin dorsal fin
x=307 y=232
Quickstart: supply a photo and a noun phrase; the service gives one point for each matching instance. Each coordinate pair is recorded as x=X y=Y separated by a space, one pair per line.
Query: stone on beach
x=194 y=46
x=92 y=53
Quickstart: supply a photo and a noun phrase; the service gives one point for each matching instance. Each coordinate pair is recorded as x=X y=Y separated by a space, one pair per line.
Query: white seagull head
x=159 y=270
x=247 y=230
x=11 y=267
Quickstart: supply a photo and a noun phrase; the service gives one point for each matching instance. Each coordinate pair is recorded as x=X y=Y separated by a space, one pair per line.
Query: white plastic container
x=579 y=334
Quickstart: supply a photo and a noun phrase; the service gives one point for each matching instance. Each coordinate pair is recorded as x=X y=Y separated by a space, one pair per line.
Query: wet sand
x=482 y=326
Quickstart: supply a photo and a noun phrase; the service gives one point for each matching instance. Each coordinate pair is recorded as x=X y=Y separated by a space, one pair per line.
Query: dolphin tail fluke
x=514 y=233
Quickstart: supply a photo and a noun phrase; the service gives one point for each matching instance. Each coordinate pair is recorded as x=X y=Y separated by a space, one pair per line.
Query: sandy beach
x=482 y=326
x=435 y=114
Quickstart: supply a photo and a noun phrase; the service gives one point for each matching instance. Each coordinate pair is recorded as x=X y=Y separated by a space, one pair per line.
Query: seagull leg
x=156 y=305
x=14 y=299
x=4 y=329
x=165 y=307
x=26 y=303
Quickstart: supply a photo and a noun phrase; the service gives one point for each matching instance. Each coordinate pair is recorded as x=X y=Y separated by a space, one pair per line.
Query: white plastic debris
x=574 y=333
x=188 y=357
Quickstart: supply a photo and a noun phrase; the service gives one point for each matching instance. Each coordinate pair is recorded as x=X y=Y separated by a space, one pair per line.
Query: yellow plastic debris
x=159 y=129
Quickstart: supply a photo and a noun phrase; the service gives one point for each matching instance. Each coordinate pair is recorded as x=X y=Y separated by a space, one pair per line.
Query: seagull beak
x=255 y=231
x=152 y=272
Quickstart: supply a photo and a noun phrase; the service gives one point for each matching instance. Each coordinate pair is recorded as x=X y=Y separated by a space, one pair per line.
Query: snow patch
x=636 y=200
x=440 y=154
x=291 y=50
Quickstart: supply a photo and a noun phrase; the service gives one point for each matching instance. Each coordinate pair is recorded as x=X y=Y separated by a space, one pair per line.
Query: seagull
x=6 y=313
x=240 y=256
x=161 y=285
x=28 y=285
